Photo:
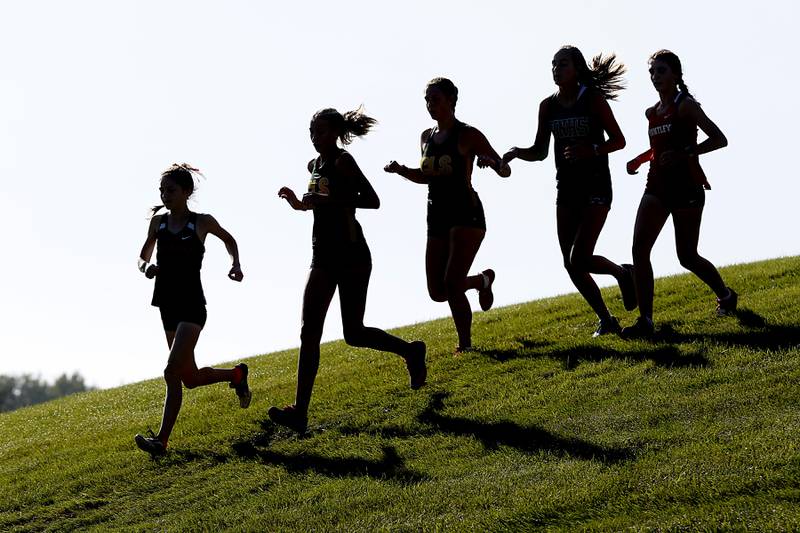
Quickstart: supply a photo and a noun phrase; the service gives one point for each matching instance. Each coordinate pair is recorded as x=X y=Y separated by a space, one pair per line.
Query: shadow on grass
x=390 y=467
x=176 y=457
x=495 y=434
x=758 y=335
x=570 y=358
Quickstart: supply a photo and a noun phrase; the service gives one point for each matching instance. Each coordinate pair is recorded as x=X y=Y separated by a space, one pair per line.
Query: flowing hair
x=351 y=124
x=604 y=76
x=183 y=175
x=674 y=63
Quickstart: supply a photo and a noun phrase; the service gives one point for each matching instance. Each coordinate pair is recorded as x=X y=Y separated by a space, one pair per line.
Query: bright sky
x=97 y=98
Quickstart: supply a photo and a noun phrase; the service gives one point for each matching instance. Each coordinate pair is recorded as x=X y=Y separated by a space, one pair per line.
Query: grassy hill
x=542 y=427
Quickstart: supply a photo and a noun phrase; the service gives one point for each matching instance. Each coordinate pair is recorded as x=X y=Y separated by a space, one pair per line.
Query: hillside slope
x=542 y=427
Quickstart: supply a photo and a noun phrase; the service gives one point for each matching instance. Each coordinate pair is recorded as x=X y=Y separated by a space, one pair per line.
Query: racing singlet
x=667 y=131
x=578 y=124
x=336 y=231
x=179 y=257
x=446 y=170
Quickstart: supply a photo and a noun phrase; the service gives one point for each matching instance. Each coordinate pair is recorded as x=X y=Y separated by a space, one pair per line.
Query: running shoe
x=607 y=326
x=290 y=417
x=460 y=350
x=415 y=362
x=627 y=288
x=643 y=328
x=151 y=444
x=242 y=389
x=727 y=306
x=485 y=294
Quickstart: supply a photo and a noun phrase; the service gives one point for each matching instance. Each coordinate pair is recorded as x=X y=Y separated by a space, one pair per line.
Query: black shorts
x=171 y=316
x=441 y=219
x=343 y=257
x=566 y=197
x=679 y=198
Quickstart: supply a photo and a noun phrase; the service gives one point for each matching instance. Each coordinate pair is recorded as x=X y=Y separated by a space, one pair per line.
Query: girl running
x=179 y=235
x=578 y=116
x=675 y=186
x=340 y=258
x=456 y=223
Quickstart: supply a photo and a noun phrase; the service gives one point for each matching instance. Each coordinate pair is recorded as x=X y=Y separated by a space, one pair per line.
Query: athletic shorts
x=679 y=198
x=344 y=257
x=171 y=316
x=442 y=219
x=582 y=198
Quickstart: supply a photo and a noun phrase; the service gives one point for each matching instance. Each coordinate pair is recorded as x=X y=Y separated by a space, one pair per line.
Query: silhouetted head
x=666 y=72
x=569 y=68
x=441 y=96
x=177 y=186
x=328 y=125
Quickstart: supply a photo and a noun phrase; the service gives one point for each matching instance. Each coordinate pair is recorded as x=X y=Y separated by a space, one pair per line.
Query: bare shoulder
x=650 y=110
x=689 y=107
x=310 y=165
x=155 y=221
x=471 y=134
x=205 y=221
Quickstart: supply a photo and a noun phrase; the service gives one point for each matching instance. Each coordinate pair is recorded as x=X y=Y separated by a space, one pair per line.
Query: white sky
x=97 y=98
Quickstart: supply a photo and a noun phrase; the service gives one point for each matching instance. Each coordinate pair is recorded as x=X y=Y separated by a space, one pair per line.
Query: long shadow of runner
x=759 y=335
x=662 y=356
x=390 y=467
x=529 y=439
x=495 y=434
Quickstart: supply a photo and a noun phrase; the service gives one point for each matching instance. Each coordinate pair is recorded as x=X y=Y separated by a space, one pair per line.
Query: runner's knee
x=437 y=293
x=310 y=334
x=688 y=259
x=455 y=285
x=578 y=262
x=190 y=380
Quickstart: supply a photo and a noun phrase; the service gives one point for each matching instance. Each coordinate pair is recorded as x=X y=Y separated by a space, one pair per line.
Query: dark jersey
x=446 y=170
x=336 y=233
x=669 y=132
x=579 y=124
x=179 y=257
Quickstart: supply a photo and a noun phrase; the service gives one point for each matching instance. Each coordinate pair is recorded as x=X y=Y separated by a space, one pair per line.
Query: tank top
x=335 y=226
x=446 y=170
x=179 y=257
x=668 y=131
x=577 y=124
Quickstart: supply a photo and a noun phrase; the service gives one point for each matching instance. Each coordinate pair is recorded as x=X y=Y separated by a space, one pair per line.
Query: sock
x=486 y=280
x=237 y=375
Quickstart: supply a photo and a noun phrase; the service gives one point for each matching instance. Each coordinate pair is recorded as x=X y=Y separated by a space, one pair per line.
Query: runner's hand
x=578 y=151
x=393 y=167
x=151 y=272
x=288 y=194
x=236 y=273
x=488 y=161
x=512 y=154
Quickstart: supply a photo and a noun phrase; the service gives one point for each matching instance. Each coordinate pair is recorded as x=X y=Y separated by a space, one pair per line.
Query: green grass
x=542 y=428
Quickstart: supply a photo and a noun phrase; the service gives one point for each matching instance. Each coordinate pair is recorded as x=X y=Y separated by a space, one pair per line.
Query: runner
x=578 y=116
x=180 y=236
x=456 y=222
x=341 y=258
x=675 y=186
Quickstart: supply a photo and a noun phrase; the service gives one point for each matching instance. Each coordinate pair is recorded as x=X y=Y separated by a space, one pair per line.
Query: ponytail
x=349 y=125
x=604 y=76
